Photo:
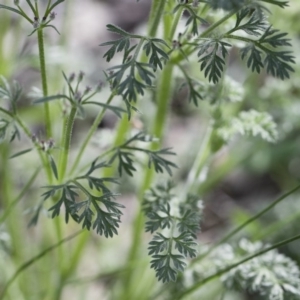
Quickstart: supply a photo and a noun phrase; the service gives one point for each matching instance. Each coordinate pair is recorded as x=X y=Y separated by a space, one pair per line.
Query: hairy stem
x=40 y=35
x=66 y=143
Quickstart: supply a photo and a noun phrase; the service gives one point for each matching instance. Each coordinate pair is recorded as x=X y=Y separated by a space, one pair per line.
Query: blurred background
x=241 y=178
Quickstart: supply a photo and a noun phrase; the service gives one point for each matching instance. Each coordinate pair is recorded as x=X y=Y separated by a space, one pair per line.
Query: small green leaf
x=53 y=166
x=11 y=9
x=117 y=29
x=21 y=153
x=51 y=98
x=212 y=54
x=115 y=109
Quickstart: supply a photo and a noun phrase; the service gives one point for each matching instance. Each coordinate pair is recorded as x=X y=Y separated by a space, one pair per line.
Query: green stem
x=28 y=263
x=66 y=143
x=227 y=269
x=43 y=158
x=175 y=23
x=163 y=96
x=200 y=161
x=92 y=130
x=246 y=223
x=44 y=80
x=157 y=10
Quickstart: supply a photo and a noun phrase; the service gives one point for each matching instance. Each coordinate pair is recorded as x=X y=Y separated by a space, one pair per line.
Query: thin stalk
x=246 y=223
x=40 y=35
x=66 y=143
x=156 y=13
x=33 y=260
x=227 y=269
x=76 y=255
x=276 y=227
x=175 y=23
x=199 y=162
x=163 y=97
x=92 y=130
x=43 y=158
x=167 y=20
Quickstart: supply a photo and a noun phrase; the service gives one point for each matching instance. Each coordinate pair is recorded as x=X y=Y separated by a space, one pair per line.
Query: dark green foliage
x=193 y=18
x=125 y=162
x=212 y=54
x=263 y=54
x=194 y=94
x=81 y=205
x=132 y=77
x=250 y=21
x=130 y=86
x=170 y=248
x=226 y=4
x=124 y=155
x=236 y=4
x=155 y=52
x=159 y=162
x=254 y=57
x=53 y=166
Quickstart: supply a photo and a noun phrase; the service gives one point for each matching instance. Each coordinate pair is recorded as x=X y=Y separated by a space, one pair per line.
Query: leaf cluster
x=132 y=77
x=124 y=154
x=97 y=210
x=212 y=54
x=176 y=224
x=263 y=46
x=262 y=53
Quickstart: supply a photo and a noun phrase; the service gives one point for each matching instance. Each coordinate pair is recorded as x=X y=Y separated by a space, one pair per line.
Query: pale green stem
x=66 y=144
x=200 y=161
x=156 y=13
x=40 y=35
x=43 y=158
x=163 y=97
x=89 y=135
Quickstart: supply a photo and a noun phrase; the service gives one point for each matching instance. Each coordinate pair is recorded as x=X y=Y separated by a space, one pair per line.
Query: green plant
x=87 y=192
